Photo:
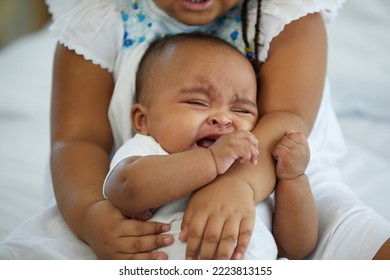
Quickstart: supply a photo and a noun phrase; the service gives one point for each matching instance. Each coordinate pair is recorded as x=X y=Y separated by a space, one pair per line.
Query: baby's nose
x=220 y=120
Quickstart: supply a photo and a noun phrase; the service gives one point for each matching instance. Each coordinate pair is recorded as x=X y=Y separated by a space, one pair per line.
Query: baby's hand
x=292 y=155
x=239 y=145
x=219 y=224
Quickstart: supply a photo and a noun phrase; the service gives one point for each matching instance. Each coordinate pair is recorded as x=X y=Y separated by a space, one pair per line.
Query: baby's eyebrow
x=245 y=101
x=206 y=90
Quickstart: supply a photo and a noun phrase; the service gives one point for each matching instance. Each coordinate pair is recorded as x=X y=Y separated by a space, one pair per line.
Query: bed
x=359 y=71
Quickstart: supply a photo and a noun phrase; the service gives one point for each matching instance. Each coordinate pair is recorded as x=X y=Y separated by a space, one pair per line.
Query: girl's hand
x=219 y=220
x=113 y=236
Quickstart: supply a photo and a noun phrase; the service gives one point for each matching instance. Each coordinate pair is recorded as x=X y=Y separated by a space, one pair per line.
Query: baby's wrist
x=214 y=160
x=237 y=181
x=298 y=178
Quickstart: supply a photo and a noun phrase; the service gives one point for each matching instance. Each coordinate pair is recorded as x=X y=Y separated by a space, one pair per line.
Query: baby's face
x=196 y=12
x=199 y=92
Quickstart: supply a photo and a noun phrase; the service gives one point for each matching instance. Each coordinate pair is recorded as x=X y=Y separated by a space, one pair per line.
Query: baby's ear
x=139 y=119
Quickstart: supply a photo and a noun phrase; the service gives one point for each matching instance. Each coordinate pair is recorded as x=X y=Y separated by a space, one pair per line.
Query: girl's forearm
x=81 y=138
x=78 y=170
x=136 y=185
x=286 y=100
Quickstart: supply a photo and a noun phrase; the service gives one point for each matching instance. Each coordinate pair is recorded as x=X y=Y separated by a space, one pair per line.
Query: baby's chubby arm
x=140 y=183
x=295 y=223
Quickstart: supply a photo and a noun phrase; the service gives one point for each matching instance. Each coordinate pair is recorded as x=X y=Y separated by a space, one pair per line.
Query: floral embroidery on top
x=145 y=26
x=138 y=26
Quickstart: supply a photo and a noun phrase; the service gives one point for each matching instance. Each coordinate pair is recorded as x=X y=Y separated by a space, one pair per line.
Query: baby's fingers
x=254 y=153
x=211 y=239
x=244 y=237
x=185 y=224
x=293 y=140
x=194 y=236
x=250 y=148
x=228 y=240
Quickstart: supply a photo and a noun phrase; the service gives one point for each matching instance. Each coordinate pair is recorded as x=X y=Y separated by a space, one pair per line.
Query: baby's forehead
x=188 y=44
x=170 y=54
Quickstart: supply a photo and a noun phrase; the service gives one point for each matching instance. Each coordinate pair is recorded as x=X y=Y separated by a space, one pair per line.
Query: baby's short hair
x=157 y=48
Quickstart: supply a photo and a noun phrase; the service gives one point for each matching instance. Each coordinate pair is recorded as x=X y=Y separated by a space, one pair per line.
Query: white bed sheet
x=359 y=68
x=25 y=78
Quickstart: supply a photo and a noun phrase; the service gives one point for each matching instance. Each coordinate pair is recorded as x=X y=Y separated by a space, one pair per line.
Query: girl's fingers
x=141 y=256
x=139 y=228
x=148 y=243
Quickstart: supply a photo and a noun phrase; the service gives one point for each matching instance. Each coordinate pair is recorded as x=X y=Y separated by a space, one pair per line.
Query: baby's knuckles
x=236 y=143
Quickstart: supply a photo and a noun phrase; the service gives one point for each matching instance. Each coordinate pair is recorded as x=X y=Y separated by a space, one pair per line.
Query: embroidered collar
x=144 y=22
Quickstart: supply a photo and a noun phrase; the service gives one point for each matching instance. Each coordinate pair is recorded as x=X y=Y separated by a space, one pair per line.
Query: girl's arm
x=81 y=142
x=291 y=83
x=80 y=134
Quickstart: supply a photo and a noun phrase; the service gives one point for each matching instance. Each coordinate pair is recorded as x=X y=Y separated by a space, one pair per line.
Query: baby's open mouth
x=206 y=142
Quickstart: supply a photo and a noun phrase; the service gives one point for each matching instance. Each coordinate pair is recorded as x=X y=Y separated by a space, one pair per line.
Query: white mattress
x=359 y=69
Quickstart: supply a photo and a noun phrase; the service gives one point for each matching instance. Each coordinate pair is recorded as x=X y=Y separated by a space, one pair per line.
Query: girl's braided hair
x=253 y=55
